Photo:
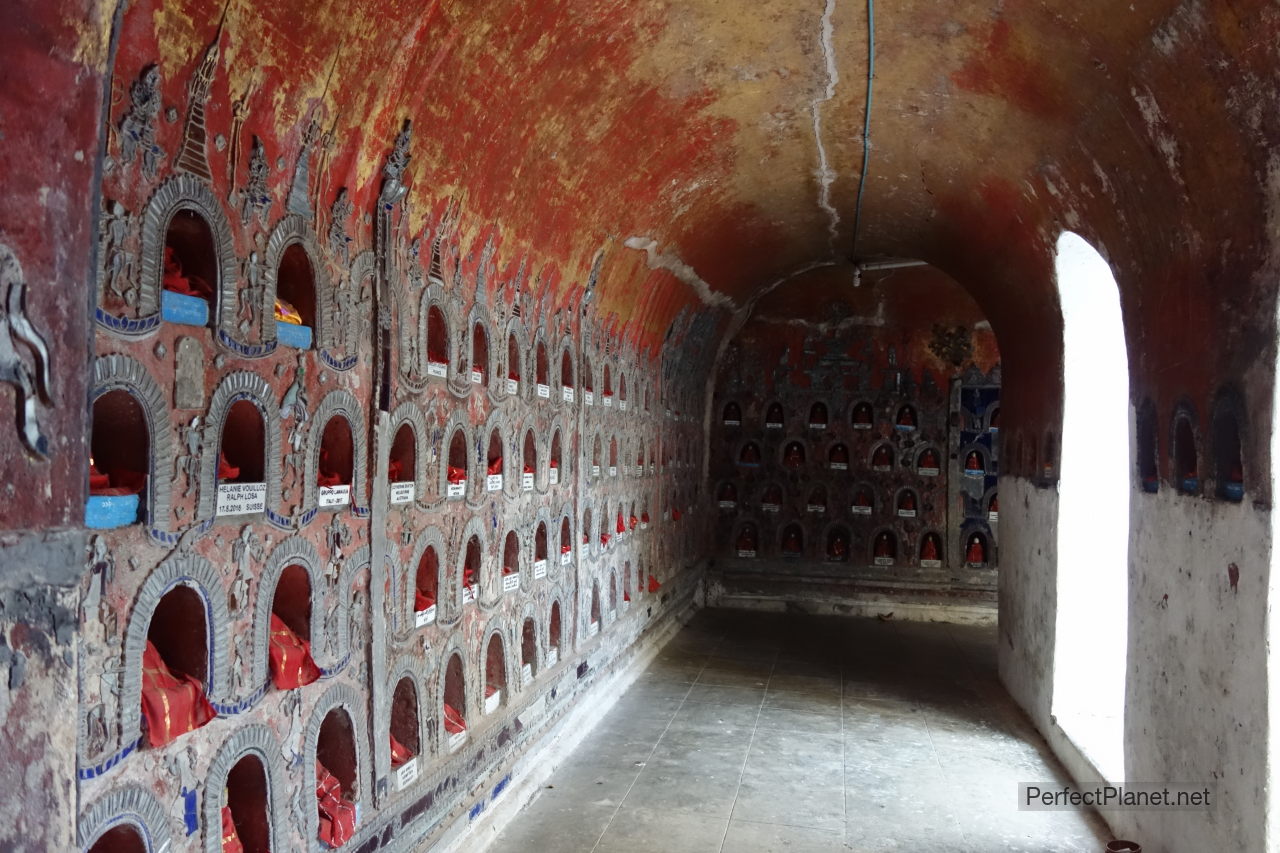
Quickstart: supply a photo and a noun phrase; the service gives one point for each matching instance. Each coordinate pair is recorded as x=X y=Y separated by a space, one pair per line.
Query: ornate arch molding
x=496 y=627
x=431 y=537
x=344 y=697
x=475 y=527
x=337 y=403
x=454 y=645
x=199 y=575
x=402 y=667
x=259 y=742
x=457 y=421
x=242 y=385
x=132 y=805
x=120 y=372
x=298 y=551
x=187 y=192
x=294 y=229
x=411 y=413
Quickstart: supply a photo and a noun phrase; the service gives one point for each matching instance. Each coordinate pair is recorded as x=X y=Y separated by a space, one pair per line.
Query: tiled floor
x=755 y=732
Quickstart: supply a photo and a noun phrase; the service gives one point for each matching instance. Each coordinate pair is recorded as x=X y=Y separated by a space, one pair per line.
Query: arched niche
x=426 y=587
x=906 y=420
x=117 y=372
x=553 y=463
x=437 y=342
x=863 y=416
x=246 y=784
x=1148 y=447
x=622 y=391
x=566 y=375
x=882 y=456
x=248 y=805
x=337 y=777
x=771 y=498
x=838 y=544
x=566 y=541
x=297 y=298
x=454 y=712
x=471 y=568
x=793 y=456
x=746 y=543
x=540 y=548
x=750 y=456
x=613 y=456
x=479 y=365
x=727 y=496
x=456 y=465
x=176 y=666
x=511 y=562
x=555 y=634
x=929 y=462
x=240 y=468
x=864 y=500
x=515 y=365
x=597 y=454
x=626 y=582
x=608 y=387
x=528 y=651
x=907 y=503
x=123 y=838
x=405 y=732
x=495 y=673
x=1228 y=462
x=191 y=270
x=541 y=370
x=817 y=502
x=775 y=417
x=335 y=467
x=819 y=417
x=1186 y=458
x=613 y=595
x=593 y=623
x=884 y=548
x=931 y=550
x=293 y=607
x=838 y=457
x=120 y=460
x=126 y=820
x=791 y=541
x=977 y=549
x=402 y=464
x=588 y=378
x=494 y=462
x=529 y=457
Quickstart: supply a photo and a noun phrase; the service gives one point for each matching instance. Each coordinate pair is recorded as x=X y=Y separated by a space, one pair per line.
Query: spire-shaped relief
x=193 y=156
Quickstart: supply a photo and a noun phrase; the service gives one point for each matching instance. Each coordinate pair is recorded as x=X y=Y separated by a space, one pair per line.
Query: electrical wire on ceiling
x=866 y=127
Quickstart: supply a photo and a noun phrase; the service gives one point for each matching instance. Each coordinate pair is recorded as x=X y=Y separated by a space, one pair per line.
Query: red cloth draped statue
x=654 y=586
x=976 y=553
x=422 y=601
x=399 y=752
x=495 y=466
x=622 y=526
x=794 y=458
x=973 y=462
x=884 y=546
x=908 y=502
x=566 y=549
x=394 y=469
x=633 y=522
x=675 y=515
x=791 y=543
x=881 y=458
x=840 y=455
x=176 y=281
x=337 y=813
x=172 y=703
x=839 y=548
x=230 y=838
x=291 y=662
x=118 y=481
x=227 y=471
x=907 y=417
x=644 y=518
x=327 y=476
x=929 y=459
x=929 y=551
x=456 y=475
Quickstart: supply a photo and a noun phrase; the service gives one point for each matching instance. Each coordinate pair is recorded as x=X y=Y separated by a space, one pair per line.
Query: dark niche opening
x=748 y=540
x=884 y=551
x=404 y=722
x=930 y=549
x=456 y=473
x=191 y=258
x=403 y=464
x=437 y=340
x=750 y=455
x=119 y=459
x=540 y=542
x=728 y=494
x=336 y=750
x=479 y=355
x=863 y=416
x=494 y=456
x=838 y=457
x=882 y=458
x=793 y=456
x=243 y=445
x=774 y=416
x=566 y=537
x=792 y=540
x=455 y=702
x=1228 y=465
x=471 y=564
x=908 y=505
x=588 y=378
x=595 y=604
x=528 y=650
x=540 y=363
x=530 y=454
x=1185 y=461
x=608 y=385
x=1148 y=440
x=566 y=370
x=613 y=452
x=511 y=554
x=179 y=633
x=337 y=453
x=119 y=839
x=838 y=545
x=554 y=462
x=246 y=794
x=292 y=601
x=818 y=415
x=296 y=292
x=553 y=627
x=906 y=419
x=427 y=580
x=495 y=673
x=513 y=358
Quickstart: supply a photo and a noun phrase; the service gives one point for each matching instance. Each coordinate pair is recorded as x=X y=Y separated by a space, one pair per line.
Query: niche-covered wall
x=345 y=524
x=859 y=440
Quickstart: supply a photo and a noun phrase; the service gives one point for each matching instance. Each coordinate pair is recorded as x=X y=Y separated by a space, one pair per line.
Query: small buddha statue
x=994 y=506
x=774 y=415
x=929 y=459
x=747 y=539
x=791 y=543
x=929 y=550
x=751 y=454
x=794 y=457
x=862 y=415
x=907 y=417
x=882 y=457
x=839 y=549
x=976 y=553
x=973 y=462
x=884 y=546
x=908 y=502
x=839 y=455
x=862 y=498
x=818 y=414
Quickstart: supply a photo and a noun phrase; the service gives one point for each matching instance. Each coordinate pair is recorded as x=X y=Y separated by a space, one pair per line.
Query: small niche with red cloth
x=121 y=838
x=553 y=465
x=426 y=587
x=403 y=733
x=455 y=723
x=540 y=365
x=295 y=305
x=747 y=539
x=540 y=551
x=792 y=540
x=495 y=673
x=289 y=645
x=246 y=826
x=838 y=545
x=884 y=551
x=241 y=476
x=931 y=551
x=513 y=364
x=566 y=541
x=437 y=343
x=471 y=570
x=336 y=463
x=493 y=480
x=119 y=459
x=975 y=552
x=175 y=665
x=530 y=467
x=402 y=465
x=479 y=355
x=456 y=465
x=336 y=774
x=553 y=635
x=190 y=270
x=593 y=627
x=511 y=562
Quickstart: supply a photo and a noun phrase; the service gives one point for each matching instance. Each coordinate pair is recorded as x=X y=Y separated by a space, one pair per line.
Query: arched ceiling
x=712 y=149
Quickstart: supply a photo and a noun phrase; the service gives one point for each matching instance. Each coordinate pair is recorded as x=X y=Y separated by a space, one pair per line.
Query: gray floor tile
x=747 y=836
x=640 y=830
